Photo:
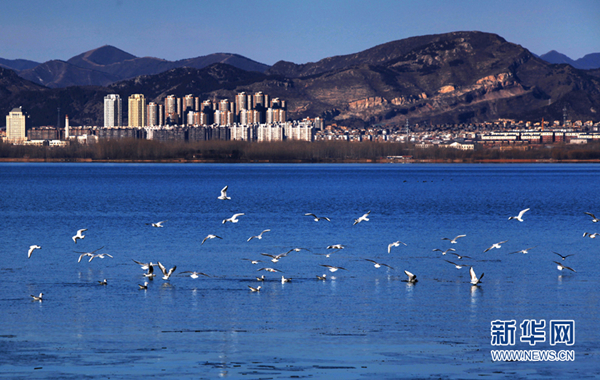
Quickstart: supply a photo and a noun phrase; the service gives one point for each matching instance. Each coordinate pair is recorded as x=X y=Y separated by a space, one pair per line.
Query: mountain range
x=456 y=77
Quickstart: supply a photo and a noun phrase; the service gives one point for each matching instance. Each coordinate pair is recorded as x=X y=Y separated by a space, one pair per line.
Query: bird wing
x=523 y=212
x=473 y=275
x=162 y=268
x=410 y=275
x=590 y=214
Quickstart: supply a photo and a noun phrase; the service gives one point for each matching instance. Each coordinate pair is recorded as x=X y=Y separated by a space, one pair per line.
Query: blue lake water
x=363 y=322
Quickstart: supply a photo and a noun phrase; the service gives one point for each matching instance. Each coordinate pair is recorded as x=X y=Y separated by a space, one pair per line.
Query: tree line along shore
x=134 y=150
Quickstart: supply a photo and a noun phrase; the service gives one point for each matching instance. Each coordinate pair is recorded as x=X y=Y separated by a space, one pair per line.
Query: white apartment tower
x=113 y=116
x=16 y=125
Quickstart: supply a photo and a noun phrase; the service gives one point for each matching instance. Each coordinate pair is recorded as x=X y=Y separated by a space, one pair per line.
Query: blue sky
x=296 y=31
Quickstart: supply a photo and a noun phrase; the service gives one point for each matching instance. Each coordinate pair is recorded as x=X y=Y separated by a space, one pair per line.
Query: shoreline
x=299 y=161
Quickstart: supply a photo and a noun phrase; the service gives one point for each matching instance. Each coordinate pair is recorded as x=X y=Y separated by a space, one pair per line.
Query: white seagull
x=103 y=282
x=444 y=252
x=91 y=254
x=412 y=278
x=233 y=219
x=364 y=218
x=79 y=235
x=31 y=249
x=144 y=266
x=394 y=244
x=195 y=274
x=261 y=278
x=559 y=266
x=378 y=265
x=523 y=251
x=520 y=216
x=496 y=245
x=592 y=236
x=317 y=218
x=594 y=219
x=259 y=236
x=157 y=224
x=166 y=274
x=453 y=241
x=284 y=280
x=460 y=256
x=210 y=236
x=150 y=274
x=272 y=270
x=562 y=257
x=474 y=279
x=100 y=256
x=253 y=289
x=332 y=268
x=458 y=266
x=335 y=246
x=253 y=261
x=38 y=298
x=223 y=195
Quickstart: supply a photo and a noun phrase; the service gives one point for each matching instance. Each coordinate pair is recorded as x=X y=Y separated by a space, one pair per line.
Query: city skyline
x=269 y=31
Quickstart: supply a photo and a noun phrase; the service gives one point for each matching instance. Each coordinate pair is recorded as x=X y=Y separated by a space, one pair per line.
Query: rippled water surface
x=363 y=322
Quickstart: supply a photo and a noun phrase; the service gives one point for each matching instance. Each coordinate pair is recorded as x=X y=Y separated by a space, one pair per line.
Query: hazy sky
x=297 y=31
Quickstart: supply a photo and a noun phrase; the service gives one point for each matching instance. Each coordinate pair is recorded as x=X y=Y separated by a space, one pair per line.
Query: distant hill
x=457 y=77
x=108 y=64
x=17 y=64
x=588 y=62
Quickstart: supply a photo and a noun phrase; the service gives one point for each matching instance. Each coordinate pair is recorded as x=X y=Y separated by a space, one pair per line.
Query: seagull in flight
x=275 y=258
x=272 y=270
x=474 y=279
x=453 y=241
x=166 y=273
x=460 y=256
x=157 y=224
x=378 y=265
x=91 y=254
x=335 y=246
x=31 y=249
x=233 y=219
x=223 y=195
x=563 y=257
x=592 y=236
x=394 y=244
x=145 y=266
x=100 y=256
x=444 y=252
x=195 y=274
x=559 y=266
x=79 y=235
x=594 y=219
x=523 y=251
x=496 y=245
x=520 y=216
x=332 y=268
x=317 y=218
x=412 y=278
x=253 y=261
x=210 y=236
x=364 y=218
x=38 y=298
x=253 y=289
x=259 y=236
x=458 y=266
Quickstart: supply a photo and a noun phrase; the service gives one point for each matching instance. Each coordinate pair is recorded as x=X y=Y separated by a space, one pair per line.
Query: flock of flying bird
x=411 y=278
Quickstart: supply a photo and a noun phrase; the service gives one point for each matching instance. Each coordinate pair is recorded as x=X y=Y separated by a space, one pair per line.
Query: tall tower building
x=16 y=125
x=171 y=116
x=113 y=116
x=137 y=111
x=152 y=114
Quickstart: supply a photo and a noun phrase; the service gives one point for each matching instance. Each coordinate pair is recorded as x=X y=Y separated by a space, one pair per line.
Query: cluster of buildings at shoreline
x=259 y=118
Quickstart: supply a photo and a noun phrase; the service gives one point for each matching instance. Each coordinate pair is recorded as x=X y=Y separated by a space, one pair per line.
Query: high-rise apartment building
x=137 y=111
x=171 y=115
x=16 y=125
x=152 y=114
x=113 y=116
